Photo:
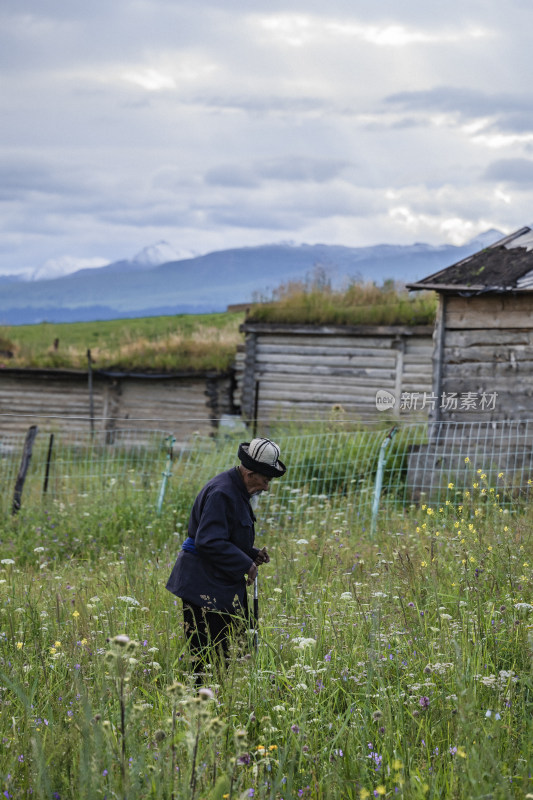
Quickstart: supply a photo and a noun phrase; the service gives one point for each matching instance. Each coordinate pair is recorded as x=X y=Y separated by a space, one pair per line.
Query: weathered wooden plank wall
x=59 y=401
x=487 y=348
x=306 y=371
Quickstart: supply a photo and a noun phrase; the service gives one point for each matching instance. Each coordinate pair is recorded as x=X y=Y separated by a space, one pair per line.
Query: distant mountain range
x=152 y=285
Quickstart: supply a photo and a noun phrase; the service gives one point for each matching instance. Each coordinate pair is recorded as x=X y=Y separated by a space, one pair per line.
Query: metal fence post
x=167 y=472
x=379 y=479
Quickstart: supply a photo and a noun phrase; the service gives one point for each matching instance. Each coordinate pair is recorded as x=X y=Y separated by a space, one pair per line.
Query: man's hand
x=262 y=557
x=252 y=574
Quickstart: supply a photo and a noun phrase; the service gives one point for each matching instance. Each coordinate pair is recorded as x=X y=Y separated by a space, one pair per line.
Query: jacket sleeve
x=213 y=538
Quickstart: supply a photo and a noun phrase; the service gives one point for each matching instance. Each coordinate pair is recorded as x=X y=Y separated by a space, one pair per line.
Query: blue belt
x=189 y=546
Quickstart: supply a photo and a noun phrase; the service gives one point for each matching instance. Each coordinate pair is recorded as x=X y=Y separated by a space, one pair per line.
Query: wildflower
x=295 y=728
x=423 y=564
x=467 y=460
x=273 y=747
x=75 y=614
x=131 y=600
x=7 y=561
x=450 y=486
x=380 y=790
x=346 y=596
x=19 y=645
x=424 y=702
x=205 y=694
x=121 y=640
x=364 y=793
x=38 y=549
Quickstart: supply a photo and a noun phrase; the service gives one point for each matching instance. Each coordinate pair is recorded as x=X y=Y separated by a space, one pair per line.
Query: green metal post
x=379 y=479
x=167 y=473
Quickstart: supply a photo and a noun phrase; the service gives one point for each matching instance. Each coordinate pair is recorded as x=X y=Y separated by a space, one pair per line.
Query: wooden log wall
x=58 y=401
x=487 y=348
x=304 y=372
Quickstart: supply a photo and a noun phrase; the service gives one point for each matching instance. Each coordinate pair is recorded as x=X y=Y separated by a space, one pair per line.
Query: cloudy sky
x=220 y=123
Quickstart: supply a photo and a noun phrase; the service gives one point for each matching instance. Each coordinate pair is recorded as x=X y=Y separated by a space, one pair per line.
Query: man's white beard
x=254 y=500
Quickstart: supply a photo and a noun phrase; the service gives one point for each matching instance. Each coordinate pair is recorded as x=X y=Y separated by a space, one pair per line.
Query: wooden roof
x=507 y=265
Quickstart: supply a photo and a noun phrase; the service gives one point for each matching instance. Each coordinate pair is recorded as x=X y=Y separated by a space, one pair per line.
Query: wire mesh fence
x=331 y=467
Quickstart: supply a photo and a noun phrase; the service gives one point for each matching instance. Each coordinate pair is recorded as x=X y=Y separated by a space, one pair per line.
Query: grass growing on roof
x=315 y=302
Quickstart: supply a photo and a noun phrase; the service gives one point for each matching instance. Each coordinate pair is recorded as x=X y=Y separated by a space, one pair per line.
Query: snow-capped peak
x=155 y=254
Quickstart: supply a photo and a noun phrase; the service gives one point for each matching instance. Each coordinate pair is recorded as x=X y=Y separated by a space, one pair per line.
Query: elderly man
x=209 y=572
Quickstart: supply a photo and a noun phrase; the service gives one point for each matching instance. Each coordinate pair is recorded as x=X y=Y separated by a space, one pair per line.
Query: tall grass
x=315 y=302
x=394 y=667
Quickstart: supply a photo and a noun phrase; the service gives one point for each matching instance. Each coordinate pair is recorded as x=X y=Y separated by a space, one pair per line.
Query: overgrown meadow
x=398 y=665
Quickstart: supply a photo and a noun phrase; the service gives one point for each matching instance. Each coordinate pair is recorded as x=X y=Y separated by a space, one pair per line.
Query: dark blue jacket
x=222 y=527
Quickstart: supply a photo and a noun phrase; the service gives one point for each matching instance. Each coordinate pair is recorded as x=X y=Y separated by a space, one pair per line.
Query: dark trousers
x=209 y=633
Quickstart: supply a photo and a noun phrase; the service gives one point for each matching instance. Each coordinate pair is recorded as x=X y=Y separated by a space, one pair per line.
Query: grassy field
x=394 y=667
x=184 y=341
x=205 y=341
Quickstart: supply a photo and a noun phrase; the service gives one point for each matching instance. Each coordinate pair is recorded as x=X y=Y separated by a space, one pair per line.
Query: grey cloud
x=298 y=168
x=234 y=175
x=291 y=169
x=262 y=104
x=469 y=102
x=509 y=112
x=510 y=170
x=20 y=177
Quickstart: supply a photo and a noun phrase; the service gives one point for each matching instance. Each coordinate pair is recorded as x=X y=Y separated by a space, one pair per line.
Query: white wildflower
x=346 y=596
x=7 y=561
x=131 y=600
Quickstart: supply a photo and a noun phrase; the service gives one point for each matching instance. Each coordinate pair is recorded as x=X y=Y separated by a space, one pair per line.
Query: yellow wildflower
x=364 y=793
x=397 y=764
x=423 y=563
x=450 y=486
x=273 y=747
x=461 y=752
x=19 y=645
x=75 y=613
x=53 y=650
x=381 y=789
x=57 y=644
x=83 y=641
x=467 y=460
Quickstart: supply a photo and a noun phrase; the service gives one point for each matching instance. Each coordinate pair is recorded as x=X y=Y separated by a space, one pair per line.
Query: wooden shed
x=69 y=402
x=304 y=372
x=483 y=340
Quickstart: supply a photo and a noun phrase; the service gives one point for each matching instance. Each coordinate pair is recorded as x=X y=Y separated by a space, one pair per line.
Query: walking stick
x=256 y=614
